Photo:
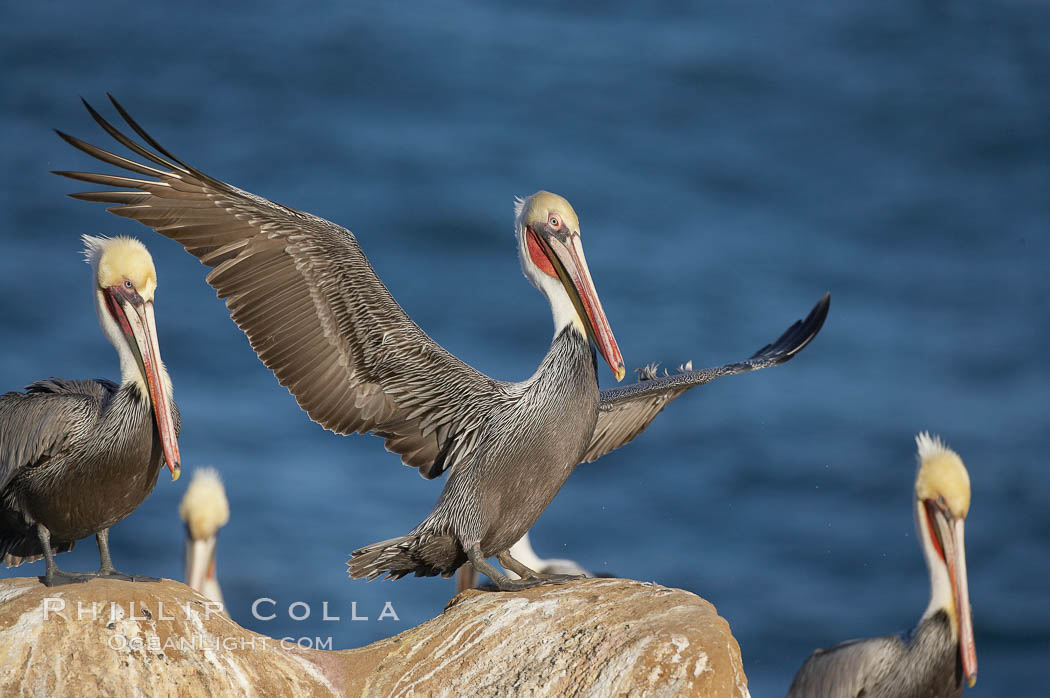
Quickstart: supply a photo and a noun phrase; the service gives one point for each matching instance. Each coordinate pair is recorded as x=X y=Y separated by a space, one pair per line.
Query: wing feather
x=39 y=423
x=625 y=412
x=311 y=305
x=850 y=670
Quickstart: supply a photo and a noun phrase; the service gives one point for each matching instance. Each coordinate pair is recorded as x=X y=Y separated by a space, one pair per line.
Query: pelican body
x=317 y=315
x=938 y=655
x=491 y=501
x=77 y=456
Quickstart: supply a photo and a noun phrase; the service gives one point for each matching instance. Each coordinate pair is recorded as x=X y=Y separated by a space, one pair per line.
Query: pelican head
x=552 y=259
x=125 y=282
x=205 y=510
x=942 y=500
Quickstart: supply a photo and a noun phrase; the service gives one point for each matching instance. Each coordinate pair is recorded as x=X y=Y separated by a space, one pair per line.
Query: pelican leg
x=502 y=581
x=524 y=571
x=105 y=569
x=54 y=576
x=518 y=568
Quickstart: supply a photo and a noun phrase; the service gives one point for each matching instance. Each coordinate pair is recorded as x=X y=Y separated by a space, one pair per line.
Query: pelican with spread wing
x=318 y=316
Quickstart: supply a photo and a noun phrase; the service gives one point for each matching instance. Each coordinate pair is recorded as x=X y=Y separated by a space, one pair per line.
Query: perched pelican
x=77 y=456
x=933 y=659
x=318 y=316
x=205 y=510
x=467 y=577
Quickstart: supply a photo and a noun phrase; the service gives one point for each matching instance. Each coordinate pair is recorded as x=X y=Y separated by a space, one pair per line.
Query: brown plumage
x=318 y=316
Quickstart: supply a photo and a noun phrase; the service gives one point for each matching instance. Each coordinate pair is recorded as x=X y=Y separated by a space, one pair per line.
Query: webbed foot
x=507 y=584
x=114 y=574
x=56 y=577
x=551 y=578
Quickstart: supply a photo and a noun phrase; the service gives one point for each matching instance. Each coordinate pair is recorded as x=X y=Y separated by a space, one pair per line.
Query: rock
x=594 y=637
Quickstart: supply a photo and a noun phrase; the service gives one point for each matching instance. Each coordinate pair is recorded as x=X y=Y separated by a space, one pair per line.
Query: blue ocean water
x=730 y=162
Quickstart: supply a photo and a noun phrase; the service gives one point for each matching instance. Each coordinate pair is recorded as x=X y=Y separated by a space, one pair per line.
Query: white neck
x=940 y=584
x=562 y=308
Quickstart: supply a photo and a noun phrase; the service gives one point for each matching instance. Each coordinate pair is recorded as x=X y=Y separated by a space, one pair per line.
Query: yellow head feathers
x=942 y=474
x=535 y=209
x=204 y=507
x=121 y=259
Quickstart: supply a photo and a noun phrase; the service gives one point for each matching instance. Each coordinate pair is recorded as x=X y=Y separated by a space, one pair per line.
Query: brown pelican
x=205 y=510
x=933 y=659
x=77 y=456
x=522 y=551
x=318 y=316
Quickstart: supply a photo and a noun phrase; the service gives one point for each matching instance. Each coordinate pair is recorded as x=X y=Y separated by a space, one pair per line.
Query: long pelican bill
x=139 y=325
x=948 y=533
x=571 y=266
x=955 y=552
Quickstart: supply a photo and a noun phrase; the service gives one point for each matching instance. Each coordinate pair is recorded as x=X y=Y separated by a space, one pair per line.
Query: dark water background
x=730 y=162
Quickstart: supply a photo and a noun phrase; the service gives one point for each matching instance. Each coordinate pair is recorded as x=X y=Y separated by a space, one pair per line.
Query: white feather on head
x=942 y=474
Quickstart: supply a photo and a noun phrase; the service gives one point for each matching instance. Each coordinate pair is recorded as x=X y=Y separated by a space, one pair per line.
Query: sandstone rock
x=595 y=637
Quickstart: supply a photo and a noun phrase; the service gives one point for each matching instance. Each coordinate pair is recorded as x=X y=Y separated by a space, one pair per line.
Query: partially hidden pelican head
x=942 y=501
x=204 y=509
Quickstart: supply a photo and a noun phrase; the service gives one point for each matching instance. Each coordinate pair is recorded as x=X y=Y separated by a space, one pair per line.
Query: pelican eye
x=554 y=222
x=940 y=500
x=128 y=284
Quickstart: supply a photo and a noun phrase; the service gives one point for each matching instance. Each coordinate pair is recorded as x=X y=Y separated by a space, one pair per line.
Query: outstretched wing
x=625 y=412
x=312 y=306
